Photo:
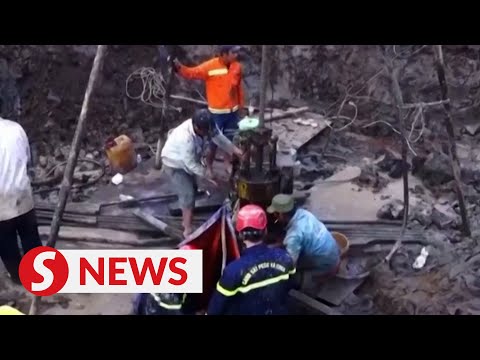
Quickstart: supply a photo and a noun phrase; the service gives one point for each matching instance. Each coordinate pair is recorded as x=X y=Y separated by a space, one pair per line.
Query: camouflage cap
x=281 y=203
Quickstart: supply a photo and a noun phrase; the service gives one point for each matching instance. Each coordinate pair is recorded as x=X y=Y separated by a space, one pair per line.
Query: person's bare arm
x=226 y=145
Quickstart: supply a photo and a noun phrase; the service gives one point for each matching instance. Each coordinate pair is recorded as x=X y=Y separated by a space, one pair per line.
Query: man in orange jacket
x=224 y=90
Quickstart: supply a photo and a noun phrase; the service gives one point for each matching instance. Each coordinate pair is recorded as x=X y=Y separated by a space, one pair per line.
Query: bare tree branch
x=452 y=149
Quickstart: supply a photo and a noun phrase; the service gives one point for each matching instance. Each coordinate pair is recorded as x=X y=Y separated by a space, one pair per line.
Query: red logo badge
x=43 y=271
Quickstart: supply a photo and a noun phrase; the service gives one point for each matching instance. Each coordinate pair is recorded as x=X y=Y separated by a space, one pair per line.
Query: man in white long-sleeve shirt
x=181 y=159
x=17 y=214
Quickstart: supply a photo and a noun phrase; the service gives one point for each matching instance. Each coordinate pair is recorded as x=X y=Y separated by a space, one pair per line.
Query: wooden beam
x=452 y=148
x=71 y=208
x=394 y=71
x=104 y=236
x=73 y=156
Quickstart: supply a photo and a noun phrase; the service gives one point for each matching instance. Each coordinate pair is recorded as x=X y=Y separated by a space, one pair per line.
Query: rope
x=75 y=186
x=153 y=87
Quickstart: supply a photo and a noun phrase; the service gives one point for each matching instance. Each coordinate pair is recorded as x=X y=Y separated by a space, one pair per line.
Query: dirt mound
x=43 y=85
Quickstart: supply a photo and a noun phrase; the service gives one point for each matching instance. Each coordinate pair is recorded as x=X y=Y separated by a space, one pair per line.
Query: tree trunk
x=397 y=94
x=452 y=148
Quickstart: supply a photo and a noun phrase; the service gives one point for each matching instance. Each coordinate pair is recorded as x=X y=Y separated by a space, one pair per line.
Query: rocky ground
x=448 y=283
x=43 y=86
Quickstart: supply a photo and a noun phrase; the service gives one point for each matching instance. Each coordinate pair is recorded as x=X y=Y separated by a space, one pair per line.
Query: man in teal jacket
x=307 y=240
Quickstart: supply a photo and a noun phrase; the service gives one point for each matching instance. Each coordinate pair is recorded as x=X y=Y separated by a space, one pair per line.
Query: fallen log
x=104 y=236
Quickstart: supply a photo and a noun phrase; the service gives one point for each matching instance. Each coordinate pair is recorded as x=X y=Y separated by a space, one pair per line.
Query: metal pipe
x=259 y=158
x=263 y=85
x=251 y=154
x=273 y=153
x=245 y=162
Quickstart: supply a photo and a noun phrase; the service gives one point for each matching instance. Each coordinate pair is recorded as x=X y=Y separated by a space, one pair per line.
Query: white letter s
x=43 y=271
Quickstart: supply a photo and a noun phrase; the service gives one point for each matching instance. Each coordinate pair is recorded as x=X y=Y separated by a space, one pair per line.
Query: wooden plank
x=312 y=304
x=364 y=237
x=292 y=135
x=127 y=226
x=73 y=218
x=107 y=236
x=72 y=208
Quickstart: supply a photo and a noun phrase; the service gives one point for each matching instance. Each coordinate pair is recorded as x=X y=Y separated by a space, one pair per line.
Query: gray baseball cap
x=281 y=203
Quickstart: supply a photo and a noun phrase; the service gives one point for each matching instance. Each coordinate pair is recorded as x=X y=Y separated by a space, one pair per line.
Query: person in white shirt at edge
x=17 y=213
x=181 y=159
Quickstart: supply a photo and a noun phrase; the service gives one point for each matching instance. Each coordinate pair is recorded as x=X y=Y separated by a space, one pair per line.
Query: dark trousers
x=24 y=226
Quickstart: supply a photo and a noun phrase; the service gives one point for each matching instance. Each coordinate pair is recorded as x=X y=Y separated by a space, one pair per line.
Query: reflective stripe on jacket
x=223 y=84
x=170 y=301
x=255 y=284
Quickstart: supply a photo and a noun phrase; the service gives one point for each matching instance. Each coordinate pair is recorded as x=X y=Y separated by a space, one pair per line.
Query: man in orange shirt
x=224 y=90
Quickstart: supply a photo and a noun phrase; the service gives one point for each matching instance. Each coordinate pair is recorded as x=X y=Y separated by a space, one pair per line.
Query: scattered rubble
x=391 y=164
x=45 y=84
x=434 y=170
x=392 y=210
x=422 y=213
x=472 y=129
x=444 y=217
x=372 y=178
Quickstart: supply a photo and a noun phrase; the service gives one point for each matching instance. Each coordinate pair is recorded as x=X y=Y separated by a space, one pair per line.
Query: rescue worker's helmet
x=203 y=120
x=251 y=217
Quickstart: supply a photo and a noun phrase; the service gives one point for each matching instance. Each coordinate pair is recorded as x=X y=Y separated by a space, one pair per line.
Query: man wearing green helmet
x=308 y=241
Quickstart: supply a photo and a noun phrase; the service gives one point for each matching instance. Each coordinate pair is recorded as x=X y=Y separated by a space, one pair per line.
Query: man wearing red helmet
x=259 y=281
